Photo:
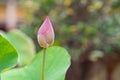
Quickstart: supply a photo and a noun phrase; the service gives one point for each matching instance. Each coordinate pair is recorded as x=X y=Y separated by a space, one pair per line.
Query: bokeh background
x=88 y=29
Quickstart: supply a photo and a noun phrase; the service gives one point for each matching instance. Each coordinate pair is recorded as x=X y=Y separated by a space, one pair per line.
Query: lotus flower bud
x=46 y=34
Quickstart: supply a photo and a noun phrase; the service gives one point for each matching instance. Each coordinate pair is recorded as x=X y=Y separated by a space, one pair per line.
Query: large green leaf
x=8 y=54
x=23 y=44
x=57 y=63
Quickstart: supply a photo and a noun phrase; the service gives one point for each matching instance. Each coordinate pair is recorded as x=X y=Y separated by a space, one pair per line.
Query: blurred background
x=88 y=29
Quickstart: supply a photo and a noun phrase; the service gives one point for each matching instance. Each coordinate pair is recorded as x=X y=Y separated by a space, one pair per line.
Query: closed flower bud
x=46 y=34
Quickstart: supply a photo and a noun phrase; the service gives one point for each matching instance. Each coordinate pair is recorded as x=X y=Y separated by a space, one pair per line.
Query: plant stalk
x=43 y=64
x=0 y=75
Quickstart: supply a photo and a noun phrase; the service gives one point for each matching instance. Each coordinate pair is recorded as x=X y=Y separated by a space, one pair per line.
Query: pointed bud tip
x=47 y=17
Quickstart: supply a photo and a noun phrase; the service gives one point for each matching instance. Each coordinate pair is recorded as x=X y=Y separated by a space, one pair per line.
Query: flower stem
x=0 y=75
x=43 y=64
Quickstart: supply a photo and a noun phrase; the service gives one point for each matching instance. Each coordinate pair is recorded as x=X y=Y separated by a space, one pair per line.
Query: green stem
x=43 y=64
x=0 y=75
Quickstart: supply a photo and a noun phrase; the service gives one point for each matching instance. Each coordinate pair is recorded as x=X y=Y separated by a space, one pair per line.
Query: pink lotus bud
x=46 y=34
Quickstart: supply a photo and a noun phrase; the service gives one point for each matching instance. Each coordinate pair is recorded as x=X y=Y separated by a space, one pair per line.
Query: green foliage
x=57 y=63
x=8 y=54
x=23 y=44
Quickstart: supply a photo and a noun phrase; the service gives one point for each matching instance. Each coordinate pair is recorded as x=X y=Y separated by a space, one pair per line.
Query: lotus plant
x=51 y=67
x=45 y=38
